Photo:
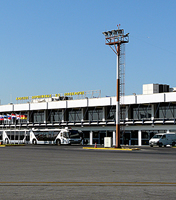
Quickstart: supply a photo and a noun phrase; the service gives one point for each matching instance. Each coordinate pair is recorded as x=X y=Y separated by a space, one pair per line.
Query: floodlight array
x=118 y=32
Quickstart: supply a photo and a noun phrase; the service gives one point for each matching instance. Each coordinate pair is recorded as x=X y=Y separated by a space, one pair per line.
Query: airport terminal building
x=142 y=116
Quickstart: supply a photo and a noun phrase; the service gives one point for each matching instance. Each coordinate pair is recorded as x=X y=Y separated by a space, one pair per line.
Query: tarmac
x=71 y=172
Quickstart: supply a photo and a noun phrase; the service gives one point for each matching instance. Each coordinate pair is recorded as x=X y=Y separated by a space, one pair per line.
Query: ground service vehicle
x=76 y=136
x=163 y=139
x=13 y=136
x=41 y=136
x=49 y=136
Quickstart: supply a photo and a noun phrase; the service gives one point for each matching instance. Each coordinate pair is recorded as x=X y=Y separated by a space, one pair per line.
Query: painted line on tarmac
x=82 y=185
x=42 y=183
x=11 y=145
x=115 y=149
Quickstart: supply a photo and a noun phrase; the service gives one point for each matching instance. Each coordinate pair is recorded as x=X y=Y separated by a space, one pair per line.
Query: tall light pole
x=115 y=39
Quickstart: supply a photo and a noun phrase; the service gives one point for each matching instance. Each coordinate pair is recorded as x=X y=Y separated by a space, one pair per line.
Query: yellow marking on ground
x=119 y=149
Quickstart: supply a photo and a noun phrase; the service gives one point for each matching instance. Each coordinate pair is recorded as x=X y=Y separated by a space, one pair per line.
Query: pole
x=114 y=39
x=118 y=100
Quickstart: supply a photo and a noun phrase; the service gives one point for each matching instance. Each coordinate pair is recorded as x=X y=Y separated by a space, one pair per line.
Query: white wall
x=57 y=104
x=128 y=100
x=21 y=107
x=38 y=106
x=152 y=98
x=77 y=103
x=99 y=102
x=6 y=108
x=170 y=97
x=81 y=103
x=150 y=88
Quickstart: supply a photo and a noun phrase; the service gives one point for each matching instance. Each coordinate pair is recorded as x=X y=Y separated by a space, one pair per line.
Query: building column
x=45 y=116
x=91 y=137
x=114 y=138
x=28 y=117
x=152 y=111
x=129 y=113
x=130 y=139
x=126 y=113
x=104 y=114
x=139 y=138
x=63 y=115
x=82 y=114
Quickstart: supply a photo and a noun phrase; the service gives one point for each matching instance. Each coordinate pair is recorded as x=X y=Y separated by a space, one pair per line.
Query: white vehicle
x=76 y=136
x=163 y=139
x=14 y=136
x=49 y=136
x=1 y=139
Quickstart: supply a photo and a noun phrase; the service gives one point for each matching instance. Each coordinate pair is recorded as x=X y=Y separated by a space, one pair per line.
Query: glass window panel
x=74 y=115
x=95 y=115
x=143 y=112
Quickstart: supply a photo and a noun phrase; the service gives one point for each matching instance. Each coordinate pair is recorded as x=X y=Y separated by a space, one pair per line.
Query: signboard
x=49 y=96
x=22 y=98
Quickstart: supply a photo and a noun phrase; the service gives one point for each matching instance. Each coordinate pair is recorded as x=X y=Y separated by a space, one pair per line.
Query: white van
x=161 y=139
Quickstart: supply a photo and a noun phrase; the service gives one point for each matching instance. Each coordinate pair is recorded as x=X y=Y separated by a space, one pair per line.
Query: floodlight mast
x=114 y=39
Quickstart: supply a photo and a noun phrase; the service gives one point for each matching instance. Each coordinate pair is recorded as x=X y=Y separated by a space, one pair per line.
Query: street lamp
x=115 y=39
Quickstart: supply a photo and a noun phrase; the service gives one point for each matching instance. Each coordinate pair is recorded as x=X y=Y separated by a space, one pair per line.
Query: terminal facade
x=141 y=116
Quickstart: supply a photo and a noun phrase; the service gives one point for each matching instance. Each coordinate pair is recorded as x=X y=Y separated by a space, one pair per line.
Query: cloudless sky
x=57 y=46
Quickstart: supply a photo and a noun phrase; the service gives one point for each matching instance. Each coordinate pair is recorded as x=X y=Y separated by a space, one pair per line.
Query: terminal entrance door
x=127 y=138
x=96 y=137
x=102 y=135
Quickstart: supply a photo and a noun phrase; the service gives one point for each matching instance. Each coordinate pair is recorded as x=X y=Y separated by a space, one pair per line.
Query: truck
x=163 y=139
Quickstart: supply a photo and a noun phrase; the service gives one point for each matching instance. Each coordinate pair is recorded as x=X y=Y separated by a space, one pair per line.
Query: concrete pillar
x=152 y=111
x=126 y=113
x=28 y=116
x=63 y=115
x=130 y=139
x=45 y=116
x=114 y=138
x=130 y=112
x=82 y=114
x=91 y=137
x=104 y=114
x=139 y=138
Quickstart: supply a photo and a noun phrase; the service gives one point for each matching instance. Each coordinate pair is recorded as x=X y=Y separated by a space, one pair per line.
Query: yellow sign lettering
x=49 y=95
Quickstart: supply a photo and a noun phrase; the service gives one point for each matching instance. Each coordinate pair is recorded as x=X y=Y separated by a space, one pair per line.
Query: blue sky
x=57 y=46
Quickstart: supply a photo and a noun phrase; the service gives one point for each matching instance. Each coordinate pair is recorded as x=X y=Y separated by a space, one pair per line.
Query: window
x=122 y=113
x=141 y=112
x=167 y=111
x=16 y=135
x=95 y=114
x=55 y=116
x=111 y=114
x=74 y=115
x=39 y=117
x=46 y=135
